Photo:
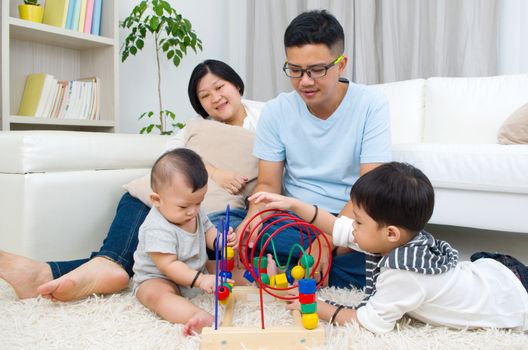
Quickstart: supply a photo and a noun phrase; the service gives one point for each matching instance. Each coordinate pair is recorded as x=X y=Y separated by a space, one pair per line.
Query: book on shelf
x=69 y=17
x=82 y=15
x=46 y=97
x=89 y=16
x=55 y=13
x=76 y=15
x=35 y=94
x=96 y=17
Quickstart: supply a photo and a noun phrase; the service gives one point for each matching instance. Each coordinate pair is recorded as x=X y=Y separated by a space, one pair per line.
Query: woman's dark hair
x=182 y=160
x=395 y=194
x=218 y=68
x=315 y=27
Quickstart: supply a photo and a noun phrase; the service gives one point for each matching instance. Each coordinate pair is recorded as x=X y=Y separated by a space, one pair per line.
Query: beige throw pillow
x=223 y=146
x=514 y=130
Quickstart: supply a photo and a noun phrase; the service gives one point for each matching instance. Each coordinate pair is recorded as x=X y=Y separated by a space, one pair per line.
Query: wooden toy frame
x=228 y=337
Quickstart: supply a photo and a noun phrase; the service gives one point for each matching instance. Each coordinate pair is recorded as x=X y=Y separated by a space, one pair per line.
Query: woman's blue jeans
x=122 y=239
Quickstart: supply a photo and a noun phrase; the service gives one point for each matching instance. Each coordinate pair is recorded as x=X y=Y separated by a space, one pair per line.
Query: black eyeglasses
x=313 y=72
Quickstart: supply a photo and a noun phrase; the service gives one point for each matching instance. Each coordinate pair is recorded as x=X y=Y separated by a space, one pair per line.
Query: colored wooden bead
x=225 y=301
x=230 y=264
x=225 y=274
x=307 y=286
x=272 y=281
x=297 y=272
x=281 y=281
x=307 y=298
x=265 y=278
x=263 y=262
x=309 y=308
x=223 y=293
x=249 y=277
x=307 y=261
x=230 y=253
x=289 y=277
x=310 y=321
x=228 y=286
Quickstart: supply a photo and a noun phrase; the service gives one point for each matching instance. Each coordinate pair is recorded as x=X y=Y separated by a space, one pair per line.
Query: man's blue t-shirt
x=322 y=157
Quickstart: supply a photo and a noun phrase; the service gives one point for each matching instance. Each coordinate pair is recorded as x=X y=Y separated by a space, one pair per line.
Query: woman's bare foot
x=195 y=325
x=23 y=274
x=99 y=276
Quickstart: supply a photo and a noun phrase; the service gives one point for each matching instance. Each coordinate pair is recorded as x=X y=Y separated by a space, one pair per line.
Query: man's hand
x=228 y=180
x=253 y=226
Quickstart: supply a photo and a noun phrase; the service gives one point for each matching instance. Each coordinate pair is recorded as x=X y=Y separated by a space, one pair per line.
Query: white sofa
x=59 y=190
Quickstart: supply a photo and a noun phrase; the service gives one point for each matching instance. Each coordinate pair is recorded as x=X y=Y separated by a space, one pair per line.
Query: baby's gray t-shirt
x=157 y=235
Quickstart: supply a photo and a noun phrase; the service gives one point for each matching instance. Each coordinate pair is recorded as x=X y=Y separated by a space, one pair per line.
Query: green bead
x=309 y=308
x=263 y=262
x=265 y=279
x=228 y=286
x=307 y=261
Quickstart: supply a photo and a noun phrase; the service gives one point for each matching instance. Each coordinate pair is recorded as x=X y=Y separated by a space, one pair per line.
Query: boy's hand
x=273 y=200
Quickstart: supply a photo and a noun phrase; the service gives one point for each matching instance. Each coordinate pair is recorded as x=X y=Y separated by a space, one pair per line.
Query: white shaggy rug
x=120 y=322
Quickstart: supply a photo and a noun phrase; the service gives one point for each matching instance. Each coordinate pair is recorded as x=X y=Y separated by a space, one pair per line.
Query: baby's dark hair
x=315 y=27
x=395 y=194
x=182 y=160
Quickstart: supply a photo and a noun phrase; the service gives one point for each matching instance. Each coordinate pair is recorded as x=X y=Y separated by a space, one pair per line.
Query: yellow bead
x=225 y=301
x=281 y=281
x=230 y=253
x=297 y=272
x=272 y=281
x=310 y=321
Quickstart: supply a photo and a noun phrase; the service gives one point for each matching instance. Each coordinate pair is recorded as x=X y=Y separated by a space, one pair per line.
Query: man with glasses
x=313 y=143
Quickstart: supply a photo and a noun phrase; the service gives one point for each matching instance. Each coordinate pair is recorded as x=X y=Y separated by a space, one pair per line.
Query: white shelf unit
x=28 y=47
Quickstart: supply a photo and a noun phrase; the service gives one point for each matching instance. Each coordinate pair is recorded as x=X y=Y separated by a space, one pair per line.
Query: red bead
x=230 y=264
x=306 y=298
x=223 y=293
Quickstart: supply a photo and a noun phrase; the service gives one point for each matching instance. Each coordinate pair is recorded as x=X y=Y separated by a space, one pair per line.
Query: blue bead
x=289 y=277
x=247 y=275
x=307 y=286
x=225 y=274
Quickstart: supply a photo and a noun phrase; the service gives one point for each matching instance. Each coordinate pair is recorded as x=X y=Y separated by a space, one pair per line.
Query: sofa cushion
x=25 y=152
x=515 y=129
x=406 y=104
x=223 y=146
x=471 y=110
x=484 y=167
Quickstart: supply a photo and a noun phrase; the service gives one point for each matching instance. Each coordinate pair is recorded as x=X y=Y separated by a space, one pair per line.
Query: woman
x=215 y=91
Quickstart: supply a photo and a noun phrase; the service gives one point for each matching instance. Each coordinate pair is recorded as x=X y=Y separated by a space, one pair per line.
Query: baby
x=170 y=260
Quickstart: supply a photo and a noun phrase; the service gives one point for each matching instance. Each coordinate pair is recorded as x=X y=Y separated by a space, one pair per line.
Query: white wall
x=220 y=26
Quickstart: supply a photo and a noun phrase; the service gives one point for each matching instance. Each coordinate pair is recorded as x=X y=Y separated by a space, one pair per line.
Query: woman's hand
x=228 y=180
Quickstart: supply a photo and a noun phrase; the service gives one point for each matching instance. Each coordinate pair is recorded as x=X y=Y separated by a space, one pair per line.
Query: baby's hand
x=231 y=238
x=207 y=283
x=272 y=200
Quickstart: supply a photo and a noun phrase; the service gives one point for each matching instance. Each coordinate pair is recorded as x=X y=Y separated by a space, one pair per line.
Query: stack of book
x=46 y=97
x=79 y=15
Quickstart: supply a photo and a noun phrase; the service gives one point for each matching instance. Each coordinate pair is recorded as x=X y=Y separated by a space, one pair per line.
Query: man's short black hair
x=395 y=194
x=181 y=160
x=315 y=27
x=218 y=68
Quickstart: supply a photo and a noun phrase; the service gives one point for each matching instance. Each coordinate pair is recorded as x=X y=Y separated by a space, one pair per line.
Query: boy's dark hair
x=219 y=68
x=182 y=160
x=395 y=194
x=315 y=27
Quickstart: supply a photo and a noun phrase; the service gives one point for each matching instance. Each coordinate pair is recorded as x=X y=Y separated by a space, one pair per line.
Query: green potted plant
x=172 y=35
x=31 y=11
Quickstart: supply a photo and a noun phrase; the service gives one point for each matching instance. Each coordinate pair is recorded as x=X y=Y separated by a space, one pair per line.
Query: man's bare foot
x=23 y=274
x=99 y=276
x=195 y=325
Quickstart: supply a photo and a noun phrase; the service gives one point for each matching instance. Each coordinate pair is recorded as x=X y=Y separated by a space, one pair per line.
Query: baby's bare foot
x=23 y=274
x=99 y=276
x=195 y=325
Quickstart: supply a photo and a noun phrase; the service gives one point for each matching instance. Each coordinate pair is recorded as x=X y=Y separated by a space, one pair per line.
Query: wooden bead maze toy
x=305 y=330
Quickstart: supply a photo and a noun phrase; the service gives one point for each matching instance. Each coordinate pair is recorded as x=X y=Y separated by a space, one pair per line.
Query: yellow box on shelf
x=56 y=12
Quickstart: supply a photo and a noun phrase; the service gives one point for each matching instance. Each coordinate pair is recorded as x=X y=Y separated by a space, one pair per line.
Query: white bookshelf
x=28 y=47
